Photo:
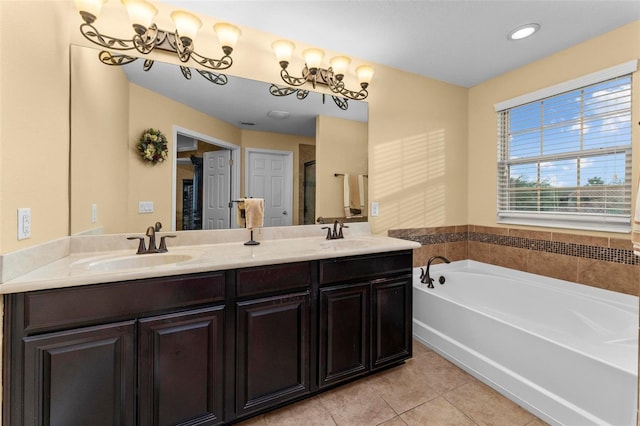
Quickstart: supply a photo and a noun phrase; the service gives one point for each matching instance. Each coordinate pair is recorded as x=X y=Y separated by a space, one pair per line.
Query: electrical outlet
x=374 y=208
x=94 y=213
x=145 y=207
x=24 y=223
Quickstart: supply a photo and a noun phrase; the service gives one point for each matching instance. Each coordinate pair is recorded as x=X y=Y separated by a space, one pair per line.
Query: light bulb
x=228 y=35
x=313 y=57
x=140 y=12
x=283 y=50
x=364 y=73
x=339 y=65
x=187 y=24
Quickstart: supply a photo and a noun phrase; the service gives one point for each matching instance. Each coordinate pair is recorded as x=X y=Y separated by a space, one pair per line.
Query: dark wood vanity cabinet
x=273 y=335
x=145 y=352
x=202 y=349
x=273 y=351
x=180 y=368
x=81 y=377
x=365 y=315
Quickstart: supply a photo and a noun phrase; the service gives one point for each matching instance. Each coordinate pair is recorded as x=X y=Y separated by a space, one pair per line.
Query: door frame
x=288 y=172
x=235 y=168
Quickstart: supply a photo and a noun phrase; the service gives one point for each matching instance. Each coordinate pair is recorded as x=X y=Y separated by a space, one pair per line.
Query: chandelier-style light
x=147 y=36
x=312 y=72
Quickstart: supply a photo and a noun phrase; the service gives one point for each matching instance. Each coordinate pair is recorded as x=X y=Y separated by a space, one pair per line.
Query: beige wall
x=610 y=49
x=100 y=152
x=34 y=120
x=341 y=148
x=417 y=151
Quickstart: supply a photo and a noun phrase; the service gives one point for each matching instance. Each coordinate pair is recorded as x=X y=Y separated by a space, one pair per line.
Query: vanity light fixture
x=313 y=73
x=523 y=31
x=148 y=37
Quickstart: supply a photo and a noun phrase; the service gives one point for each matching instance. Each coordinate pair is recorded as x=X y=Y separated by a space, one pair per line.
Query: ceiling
x=456 y=41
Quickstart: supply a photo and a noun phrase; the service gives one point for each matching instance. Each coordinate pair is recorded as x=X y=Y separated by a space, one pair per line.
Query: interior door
x=269 y=176
x=217 y=189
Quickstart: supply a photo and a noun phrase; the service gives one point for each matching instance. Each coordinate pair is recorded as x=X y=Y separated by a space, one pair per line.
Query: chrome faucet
x=337 y=233
x=151 y=233
x=425 y=278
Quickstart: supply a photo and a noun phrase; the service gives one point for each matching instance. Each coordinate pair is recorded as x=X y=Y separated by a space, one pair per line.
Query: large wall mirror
x=225 y=142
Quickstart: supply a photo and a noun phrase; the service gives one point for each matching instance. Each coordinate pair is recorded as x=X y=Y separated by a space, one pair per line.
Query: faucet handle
x=157 y=226
x=141 y=246
x=328 y=231
x=342 y=225
x=163 y=243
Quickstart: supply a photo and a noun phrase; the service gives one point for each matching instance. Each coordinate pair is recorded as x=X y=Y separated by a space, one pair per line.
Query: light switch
x=24 y=223
x=94 y=213
x=374 y=208
x=145 y=207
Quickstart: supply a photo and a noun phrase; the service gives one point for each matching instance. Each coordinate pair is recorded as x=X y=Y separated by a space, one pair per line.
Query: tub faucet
x=425 y=278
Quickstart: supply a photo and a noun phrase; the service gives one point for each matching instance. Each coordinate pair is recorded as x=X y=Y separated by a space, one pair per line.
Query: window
x=565 y=160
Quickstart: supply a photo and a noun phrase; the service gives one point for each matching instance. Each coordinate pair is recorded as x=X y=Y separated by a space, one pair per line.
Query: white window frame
x=601 y=222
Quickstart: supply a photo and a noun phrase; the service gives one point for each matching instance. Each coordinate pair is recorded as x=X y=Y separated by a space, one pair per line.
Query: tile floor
x=426 y=390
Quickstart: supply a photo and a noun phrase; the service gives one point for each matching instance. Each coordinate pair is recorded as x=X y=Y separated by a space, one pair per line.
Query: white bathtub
x=566 y=352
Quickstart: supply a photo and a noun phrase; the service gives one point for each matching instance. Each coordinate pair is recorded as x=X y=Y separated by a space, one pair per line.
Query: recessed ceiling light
x=278 y=114
x=523 y=32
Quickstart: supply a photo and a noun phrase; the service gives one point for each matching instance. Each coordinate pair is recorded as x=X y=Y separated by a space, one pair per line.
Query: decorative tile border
x=428 y=236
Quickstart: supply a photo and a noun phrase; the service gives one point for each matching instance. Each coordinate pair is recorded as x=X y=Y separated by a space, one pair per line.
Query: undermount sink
x=352 y=243
x=113 y=263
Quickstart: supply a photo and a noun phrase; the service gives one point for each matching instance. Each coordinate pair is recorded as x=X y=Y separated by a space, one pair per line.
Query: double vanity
x=208 y=333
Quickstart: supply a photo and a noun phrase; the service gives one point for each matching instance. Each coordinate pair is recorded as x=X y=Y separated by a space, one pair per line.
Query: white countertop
x=91 y=267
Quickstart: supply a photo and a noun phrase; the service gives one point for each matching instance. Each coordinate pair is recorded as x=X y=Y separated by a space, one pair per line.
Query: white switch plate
x=24 y=223
x=374 y=208
x=145 y=207
x=94 y=213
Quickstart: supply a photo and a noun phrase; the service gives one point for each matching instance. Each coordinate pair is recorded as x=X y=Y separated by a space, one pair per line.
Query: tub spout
x=425 y=278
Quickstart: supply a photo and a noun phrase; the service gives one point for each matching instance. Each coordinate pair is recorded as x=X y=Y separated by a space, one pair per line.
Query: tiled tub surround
x=602 y=262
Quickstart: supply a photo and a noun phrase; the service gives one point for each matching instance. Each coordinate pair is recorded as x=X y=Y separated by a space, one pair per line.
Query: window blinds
x=565 y=160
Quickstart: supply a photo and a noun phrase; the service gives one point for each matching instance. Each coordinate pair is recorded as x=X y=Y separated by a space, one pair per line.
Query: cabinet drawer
x=271 y=279
x=365 y=267
x=77 y=306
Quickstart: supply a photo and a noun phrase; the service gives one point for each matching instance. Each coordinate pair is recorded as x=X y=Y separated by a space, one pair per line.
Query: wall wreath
x=153 y=146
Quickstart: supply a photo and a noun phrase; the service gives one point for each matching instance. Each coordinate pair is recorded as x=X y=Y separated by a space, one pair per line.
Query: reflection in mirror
x=220 y=137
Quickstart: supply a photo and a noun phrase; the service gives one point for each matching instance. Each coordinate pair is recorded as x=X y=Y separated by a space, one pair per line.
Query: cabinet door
x=81 y=377
x=344 y=333
x=181 y=368
x=272 y=351
x=391 y=321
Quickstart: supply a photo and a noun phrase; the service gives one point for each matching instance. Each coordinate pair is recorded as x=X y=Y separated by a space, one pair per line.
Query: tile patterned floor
x=427 y=390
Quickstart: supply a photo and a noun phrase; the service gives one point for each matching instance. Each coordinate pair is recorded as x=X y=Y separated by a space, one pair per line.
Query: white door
x=270 y=176
x=216 y=190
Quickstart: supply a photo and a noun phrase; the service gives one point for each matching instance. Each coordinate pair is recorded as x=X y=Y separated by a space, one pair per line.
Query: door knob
x=284 y=212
